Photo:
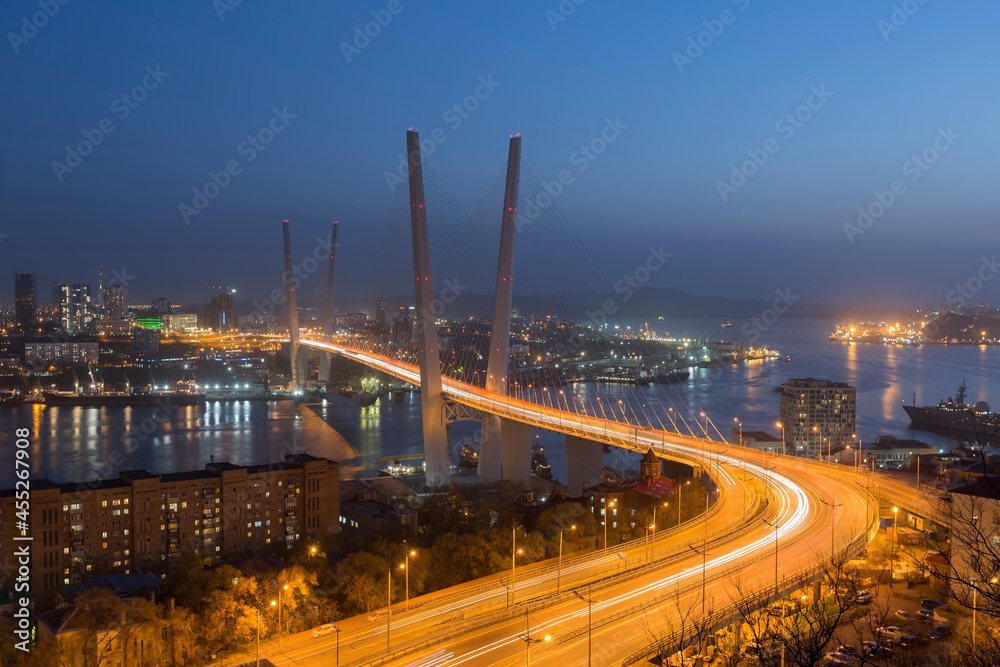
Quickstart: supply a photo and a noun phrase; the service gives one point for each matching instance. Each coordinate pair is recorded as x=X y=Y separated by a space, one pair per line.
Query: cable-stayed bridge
x=815 y=512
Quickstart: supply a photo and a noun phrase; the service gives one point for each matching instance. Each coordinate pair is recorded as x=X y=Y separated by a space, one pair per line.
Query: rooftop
x=987 y=487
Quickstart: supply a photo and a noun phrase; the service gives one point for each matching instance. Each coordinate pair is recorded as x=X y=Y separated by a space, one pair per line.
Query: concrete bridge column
x=490 y=469
x=516 y=439
x=584 y=464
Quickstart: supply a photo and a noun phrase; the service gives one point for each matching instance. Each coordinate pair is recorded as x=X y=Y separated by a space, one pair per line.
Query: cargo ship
x=123 y=399
x=955 y=415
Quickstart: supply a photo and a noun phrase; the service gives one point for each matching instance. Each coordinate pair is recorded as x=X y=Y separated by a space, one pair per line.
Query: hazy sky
x=681 y=92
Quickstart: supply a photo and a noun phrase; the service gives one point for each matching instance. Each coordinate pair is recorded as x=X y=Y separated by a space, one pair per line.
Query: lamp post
x=406 y=568
x=680 y=487
x=285 y=587
x=706 y=425
x=833 y=512
x=740 y=422
x=528 y=640
x=704 y=570
x=775 y=526
x=895 y=535
x=590 y=605
x=607 y=506
x=337 y=630
x=652 y=547
x=559 y=570
x=258 y=634
x=782 y=428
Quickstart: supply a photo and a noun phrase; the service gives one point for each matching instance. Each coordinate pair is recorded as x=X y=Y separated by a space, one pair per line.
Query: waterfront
x=73 y=444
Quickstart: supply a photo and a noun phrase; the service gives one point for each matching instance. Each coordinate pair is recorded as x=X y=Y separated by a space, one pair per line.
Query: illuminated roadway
x=632 y=613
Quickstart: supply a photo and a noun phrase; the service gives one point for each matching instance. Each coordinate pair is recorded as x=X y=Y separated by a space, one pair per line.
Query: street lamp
x=782 y=427
x=590 y=627
x=559 y=570
x=775 y=526
x=652 y=548
x=895 y=535
x=607 y=506
x=528 y=641
x=680 y=487
x=740 y=422
x=833 y=512
x=406 y=568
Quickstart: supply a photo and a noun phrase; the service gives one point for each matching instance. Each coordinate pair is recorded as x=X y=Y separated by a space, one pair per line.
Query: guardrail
x=676 y=641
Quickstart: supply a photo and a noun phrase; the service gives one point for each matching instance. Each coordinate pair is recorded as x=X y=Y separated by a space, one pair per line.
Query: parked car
x=876 y=650
x=904 y=615
x=925 y=614
x=940 y=632
x=889 y=632
x=909 y=641
x=848 y=650
x=931 y=603
x=324 y=629
x=864 y=597
x=783 y=608
x=839 y=658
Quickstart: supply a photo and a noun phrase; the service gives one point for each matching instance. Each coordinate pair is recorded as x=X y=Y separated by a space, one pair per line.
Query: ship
x=539 y=463
x=397 y=395
x=668 y=377
x=468 y=456
x=121 y=399
x=367 y=398
x=11 y=400
x=955 y=415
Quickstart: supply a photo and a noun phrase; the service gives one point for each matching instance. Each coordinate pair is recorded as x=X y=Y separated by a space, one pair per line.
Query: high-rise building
x=817 y=415
x=24 y=302
x=115 y=303
x=218 y=314
x=162 y=305
x=381 y=312
x=75 y=306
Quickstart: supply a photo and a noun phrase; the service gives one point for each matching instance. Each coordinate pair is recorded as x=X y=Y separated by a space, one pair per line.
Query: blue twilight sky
x=682 y=124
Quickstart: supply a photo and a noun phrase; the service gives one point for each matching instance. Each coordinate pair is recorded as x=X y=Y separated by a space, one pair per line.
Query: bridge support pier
x=293 y=313
x=516 y=438
x=490 y=467
x=584 y=464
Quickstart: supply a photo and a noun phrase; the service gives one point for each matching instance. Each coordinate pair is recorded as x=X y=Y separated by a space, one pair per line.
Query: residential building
x=218 y=315
x=146 y=341
x=618 y=503
x=63 y=353
x=817 y=415
x=363 y=508
x=25 y=320
x=115 y=303
x=76 y=309
x=146 y=521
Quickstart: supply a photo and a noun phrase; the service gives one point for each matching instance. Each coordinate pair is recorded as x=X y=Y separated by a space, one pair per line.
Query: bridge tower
x=437 y=464
x=293 y=313
x=325 y=356
x=505 y=447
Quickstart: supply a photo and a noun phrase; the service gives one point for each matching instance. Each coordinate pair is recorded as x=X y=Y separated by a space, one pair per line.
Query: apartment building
x=817 y=415
x=145 y=521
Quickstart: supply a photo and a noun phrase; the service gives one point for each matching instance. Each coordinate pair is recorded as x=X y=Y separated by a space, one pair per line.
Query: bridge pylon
x=437 y=464
x=297 y=358
x=492 y=464
x=324 y=355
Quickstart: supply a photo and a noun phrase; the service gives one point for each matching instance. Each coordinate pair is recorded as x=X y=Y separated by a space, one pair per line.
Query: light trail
x=795 y=507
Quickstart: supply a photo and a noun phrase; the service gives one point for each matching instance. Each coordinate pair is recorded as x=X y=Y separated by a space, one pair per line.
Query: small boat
x=367 y=398
x=397 y=395
x=787 y=359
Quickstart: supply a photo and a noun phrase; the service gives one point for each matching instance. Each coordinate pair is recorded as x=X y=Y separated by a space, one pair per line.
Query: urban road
x=818 y=509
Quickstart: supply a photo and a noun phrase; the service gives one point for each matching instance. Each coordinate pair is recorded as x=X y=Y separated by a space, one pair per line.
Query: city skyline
x=837 y=124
